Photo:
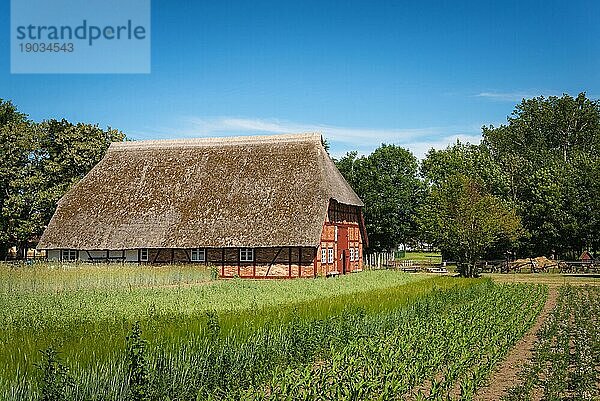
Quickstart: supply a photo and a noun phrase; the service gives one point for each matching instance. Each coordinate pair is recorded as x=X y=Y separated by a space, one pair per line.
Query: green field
x=431 y=257
x=371 y=335
x=566 y=359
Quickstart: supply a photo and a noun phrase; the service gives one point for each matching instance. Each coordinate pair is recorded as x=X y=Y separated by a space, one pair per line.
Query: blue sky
x=417 y=74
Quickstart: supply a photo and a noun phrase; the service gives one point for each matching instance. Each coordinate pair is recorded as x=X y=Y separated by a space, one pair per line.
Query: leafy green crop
x=566 y=360
x=375 y=335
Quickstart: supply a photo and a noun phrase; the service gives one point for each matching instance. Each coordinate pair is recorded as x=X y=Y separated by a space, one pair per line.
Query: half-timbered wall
x=339 y=252
x=341 y=247
x=278 y=262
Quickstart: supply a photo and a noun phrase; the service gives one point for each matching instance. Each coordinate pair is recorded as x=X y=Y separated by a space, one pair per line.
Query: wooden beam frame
x=189 y=256
x=270 y=264
x=254 y=263
x=289 y=261
x=155 y=256
x=222 y=262
x=238 y=261
x=299 y=261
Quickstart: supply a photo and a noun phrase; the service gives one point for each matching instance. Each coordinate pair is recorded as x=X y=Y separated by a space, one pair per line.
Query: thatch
x=258 y=191
x=540 y=262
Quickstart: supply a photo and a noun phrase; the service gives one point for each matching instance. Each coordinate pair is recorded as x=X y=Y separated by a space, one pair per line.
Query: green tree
x=17 y=147
x=548 y=152
x=464 y=221
x=39 y=163
x=69 y=153
x=388 y=184
x=474 y=161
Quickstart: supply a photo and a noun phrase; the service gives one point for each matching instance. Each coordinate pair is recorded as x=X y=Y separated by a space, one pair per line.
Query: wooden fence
x=386 y=260
x=378 y=260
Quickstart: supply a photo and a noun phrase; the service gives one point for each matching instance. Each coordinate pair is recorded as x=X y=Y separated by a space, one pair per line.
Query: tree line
x=530 y=188
x=39 y=162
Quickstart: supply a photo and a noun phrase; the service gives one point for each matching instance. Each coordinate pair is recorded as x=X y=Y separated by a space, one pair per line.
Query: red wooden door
x=342 y=250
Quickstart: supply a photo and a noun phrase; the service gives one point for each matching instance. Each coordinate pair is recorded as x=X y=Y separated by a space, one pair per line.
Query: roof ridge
x=215 y=141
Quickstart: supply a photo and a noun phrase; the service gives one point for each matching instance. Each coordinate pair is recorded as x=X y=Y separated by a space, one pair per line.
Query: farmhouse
x=260 y=207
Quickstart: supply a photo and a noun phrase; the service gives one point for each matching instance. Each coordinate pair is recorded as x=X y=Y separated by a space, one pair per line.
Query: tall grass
x=378 y=334
x=421 y=338
x=86 y=311
x=58 y=277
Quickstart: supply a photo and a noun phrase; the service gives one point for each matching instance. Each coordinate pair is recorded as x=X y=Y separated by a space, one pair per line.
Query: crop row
x=566 y=358
x=87 y=317
x=437 y=346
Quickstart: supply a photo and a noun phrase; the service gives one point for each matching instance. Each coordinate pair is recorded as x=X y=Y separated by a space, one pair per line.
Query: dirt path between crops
x=506 y=374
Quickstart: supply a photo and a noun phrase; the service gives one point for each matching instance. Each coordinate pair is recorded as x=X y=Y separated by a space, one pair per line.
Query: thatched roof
x=211 y=192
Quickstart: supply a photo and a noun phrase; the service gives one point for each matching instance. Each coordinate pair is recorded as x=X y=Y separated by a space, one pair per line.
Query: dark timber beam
x=254 y=262
x=299 y=261
x=289 y=261
x=156 y=256
x=270 y=264
x=222 y=262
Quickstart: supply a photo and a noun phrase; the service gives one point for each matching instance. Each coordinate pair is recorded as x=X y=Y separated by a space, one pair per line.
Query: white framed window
x=323 y=255
x=356 y=254
x=69 y=254
x=198 y=255
x=351 y=254
x=330 y=255
x=246 y=254
x=144 y=254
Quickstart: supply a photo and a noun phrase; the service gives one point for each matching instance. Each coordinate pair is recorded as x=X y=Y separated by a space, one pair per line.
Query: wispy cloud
x=420 y=148
x=516 y=96
x=350 y=135
x=342 y=139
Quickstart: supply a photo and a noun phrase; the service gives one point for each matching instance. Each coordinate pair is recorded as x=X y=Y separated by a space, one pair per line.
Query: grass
x=432 y=257
x=245 y=339
x=551 y=279
x=58 y=277
x=78 y=308
x=377 y=344
x=30 y=296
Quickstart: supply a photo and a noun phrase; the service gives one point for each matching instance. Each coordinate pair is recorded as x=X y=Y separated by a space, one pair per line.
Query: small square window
x=144 y=255
x=323 y=255
x=198 y=255
x=351 y=254
x=330 y=255
x=246 y=254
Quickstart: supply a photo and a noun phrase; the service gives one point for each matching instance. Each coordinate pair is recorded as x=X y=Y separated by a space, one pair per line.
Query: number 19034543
x=46 y=47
